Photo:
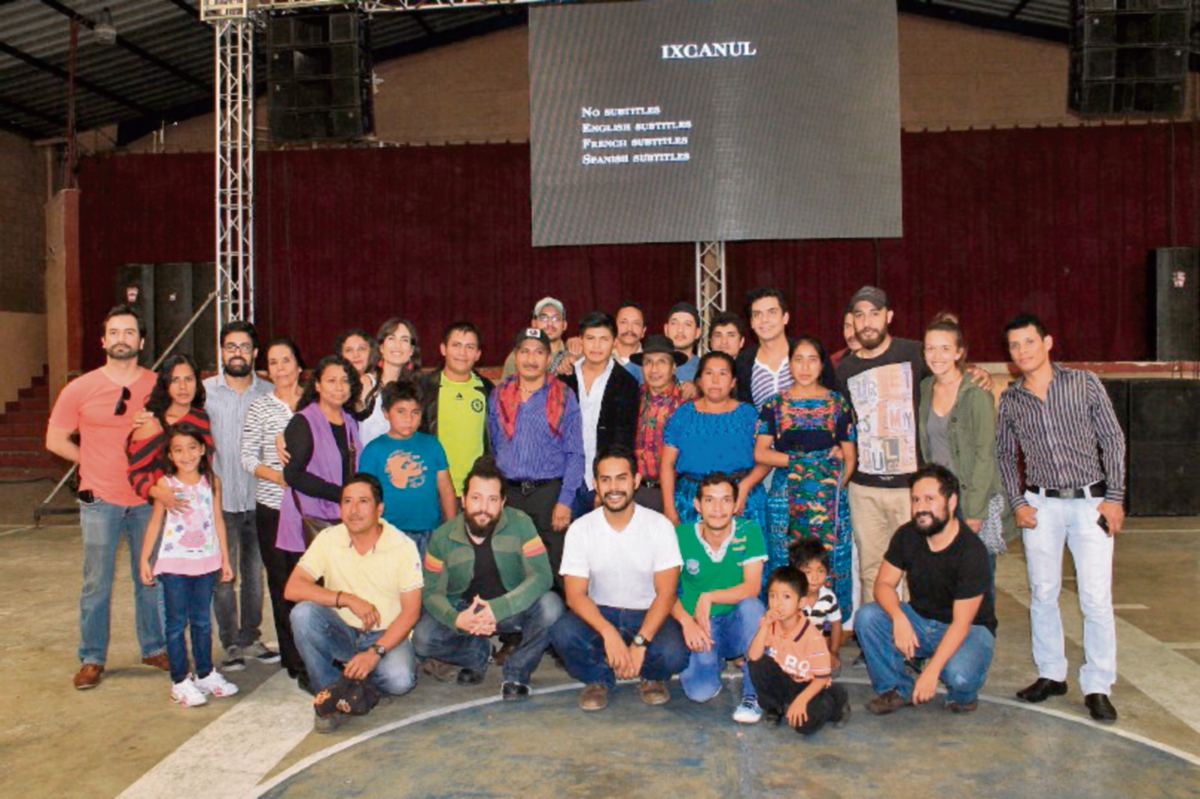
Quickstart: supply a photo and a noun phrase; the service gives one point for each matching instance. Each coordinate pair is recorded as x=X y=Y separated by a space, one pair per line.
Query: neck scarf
x=509 y=394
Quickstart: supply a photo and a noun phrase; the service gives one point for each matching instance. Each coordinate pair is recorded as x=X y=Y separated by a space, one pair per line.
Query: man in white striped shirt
x=1073 y=495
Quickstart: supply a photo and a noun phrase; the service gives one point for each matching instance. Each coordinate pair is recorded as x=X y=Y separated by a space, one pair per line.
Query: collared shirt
x=227 y=411
x=1059 y=436
x=687 y=372
x=589 y=411
x=766 y=383
x=534 y=452
x=629 y=365
x=654 y=411
x=380 y=575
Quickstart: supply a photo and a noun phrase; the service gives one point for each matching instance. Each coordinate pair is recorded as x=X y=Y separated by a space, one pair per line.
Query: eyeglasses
x=126 y=394
x=548 y=319
x=231 y=347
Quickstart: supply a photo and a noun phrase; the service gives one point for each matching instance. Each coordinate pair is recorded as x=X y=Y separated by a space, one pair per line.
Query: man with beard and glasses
x=950 y=619
x=486 y=572
x=882 y=379
x=101 y=405
x=620 y=568
x=229 y=396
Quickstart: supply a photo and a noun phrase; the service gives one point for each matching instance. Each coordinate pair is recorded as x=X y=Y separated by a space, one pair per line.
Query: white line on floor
x=1184 y=645
x=18 y=530
x=236 y=750
x=1169 y=678
x=1130 y=607
x=324 y=754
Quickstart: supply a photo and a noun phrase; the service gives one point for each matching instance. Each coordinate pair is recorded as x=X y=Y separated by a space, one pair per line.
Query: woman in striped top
x=177 y=396
x=266 y=419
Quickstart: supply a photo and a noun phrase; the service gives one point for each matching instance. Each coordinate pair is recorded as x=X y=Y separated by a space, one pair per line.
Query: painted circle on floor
x=548 y=748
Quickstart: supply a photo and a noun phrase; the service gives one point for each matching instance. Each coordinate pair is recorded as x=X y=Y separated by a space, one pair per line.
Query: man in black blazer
x=608 y=399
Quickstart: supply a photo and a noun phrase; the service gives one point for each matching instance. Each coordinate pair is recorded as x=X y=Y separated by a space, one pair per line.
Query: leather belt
x=1094 y=490
x=527 y=487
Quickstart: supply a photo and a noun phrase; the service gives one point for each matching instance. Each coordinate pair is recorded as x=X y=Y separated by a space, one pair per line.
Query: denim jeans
x=245 y=561
x=322 y=637
x=104 y=525
x=1072 y=522
x=582 y=649
x=731 y=634
x=189 y=603
x=964 y=674
x=421 y=539
x=432 y=639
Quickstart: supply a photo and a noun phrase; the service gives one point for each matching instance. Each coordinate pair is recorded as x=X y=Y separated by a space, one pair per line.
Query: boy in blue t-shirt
x=411 y=466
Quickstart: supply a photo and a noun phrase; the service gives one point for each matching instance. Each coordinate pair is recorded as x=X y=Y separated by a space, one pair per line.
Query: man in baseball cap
x=549 y=316
x=536 y=430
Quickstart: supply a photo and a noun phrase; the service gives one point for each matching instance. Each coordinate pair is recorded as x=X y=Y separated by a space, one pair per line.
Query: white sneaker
x=748 y=712
x=187 y=694
x=216 y=685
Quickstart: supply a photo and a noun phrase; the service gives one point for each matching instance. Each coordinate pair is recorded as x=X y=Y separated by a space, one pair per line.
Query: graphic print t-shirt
x=885 y=393
x=408 y=470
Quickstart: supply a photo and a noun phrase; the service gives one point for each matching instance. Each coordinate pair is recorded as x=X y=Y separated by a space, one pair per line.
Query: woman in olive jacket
x=957 y=428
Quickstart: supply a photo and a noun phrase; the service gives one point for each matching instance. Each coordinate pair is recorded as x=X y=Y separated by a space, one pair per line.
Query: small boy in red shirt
x=789 y=660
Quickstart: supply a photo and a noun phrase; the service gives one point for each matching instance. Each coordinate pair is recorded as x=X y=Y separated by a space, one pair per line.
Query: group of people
x=636 y=508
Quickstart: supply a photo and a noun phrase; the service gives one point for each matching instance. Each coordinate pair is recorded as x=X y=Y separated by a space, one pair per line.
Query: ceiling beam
x=1018 y=9
x=46 y=66
x=125 y=44
x=61 y=124
x=184 y=6
x=1037 y=30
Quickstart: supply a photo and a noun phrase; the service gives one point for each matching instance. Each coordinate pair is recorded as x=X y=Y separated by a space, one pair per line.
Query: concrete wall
x=951 y=76
x=22 y=237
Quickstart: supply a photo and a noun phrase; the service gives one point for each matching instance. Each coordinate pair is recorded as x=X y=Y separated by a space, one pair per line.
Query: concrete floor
x=127 y=739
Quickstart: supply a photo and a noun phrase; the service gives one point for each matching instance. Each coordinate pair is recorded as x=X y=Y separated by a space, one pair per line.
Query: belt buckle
x=527 y=487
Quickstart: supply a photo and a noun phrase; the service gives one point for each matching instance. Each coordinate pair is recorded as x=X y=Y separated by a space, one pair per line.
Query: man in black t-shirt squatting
x=951 y=618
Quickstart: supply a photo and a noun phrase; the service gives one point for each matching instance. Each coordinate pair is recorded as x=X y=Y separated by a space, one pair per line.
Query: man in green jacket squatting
x=486 y=572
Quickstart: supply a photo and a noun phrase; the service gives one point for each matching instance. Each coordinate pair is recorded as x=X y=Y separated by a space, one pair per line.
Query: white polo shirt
x=620 y=566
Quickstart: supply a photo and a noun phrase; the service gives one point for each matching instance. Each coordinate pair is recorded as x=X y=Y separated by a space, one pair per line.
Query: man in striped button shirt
x=1074 y=495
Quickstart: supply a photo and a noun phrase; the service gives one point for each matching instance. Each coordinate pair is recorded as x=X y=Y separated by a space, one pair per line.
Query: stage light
x=105 y=31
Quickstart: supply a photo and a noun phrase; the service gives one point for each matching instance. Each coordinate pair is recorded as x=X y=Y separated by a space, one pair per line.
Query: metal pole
x=710 y=284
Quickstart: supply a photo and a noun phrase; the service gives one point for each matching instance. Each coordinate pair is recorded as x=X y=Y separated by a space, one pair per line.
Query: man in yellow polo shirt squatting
x=371 y=599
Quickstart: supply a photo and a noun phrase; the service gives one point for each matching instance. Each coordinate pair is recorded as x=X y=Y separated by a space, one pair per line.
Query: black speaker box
x=166 y=296
x=134 y=286
x=319 y=77
x=1164 y=448
x=1118 y=395
x=1175 y=303
x=1129 y=57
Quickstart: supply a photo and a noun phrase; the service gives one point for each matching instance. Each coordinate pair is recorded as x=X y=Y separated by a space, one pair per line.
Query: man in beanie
x=684 y=328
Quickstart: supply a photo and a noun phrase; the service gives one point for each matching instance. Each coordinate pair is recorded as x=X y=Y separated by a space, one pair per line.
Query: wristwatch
x=378 y=650
x=641 y=640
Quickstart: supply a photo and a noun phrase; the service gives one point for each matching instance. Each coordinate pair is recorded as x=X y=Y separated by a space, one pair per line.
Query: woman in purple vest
x=323 y=445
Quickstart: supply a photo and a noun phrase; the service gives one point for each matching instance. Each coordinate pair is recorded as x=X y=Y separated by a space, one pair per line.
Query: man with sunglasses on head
x=228 y=398
x=100 y=405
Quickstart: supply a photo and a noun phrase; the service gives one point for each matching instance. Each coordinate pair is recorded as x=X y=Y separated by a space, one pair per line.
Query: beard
x=121 y=352
x=933 y=524
x=869 y=337
x=617 y=501
x=237 y=367
x=481 y=530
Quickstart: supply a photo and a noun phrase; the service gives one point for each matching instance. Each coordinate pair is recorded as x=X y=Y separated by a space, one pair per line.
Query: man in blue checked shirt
x=536 y=431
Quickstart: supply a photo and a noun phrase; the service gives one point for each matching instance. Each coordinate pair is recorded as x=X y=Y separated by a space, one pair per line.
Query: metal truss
x=710 y=283
x=212 y=10
x=235 y=168
x=233 y=22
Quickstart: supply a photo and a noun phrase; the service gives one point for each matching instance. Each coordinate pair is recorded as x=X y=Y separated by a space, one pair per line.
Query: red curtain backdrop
x=1058 y=221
